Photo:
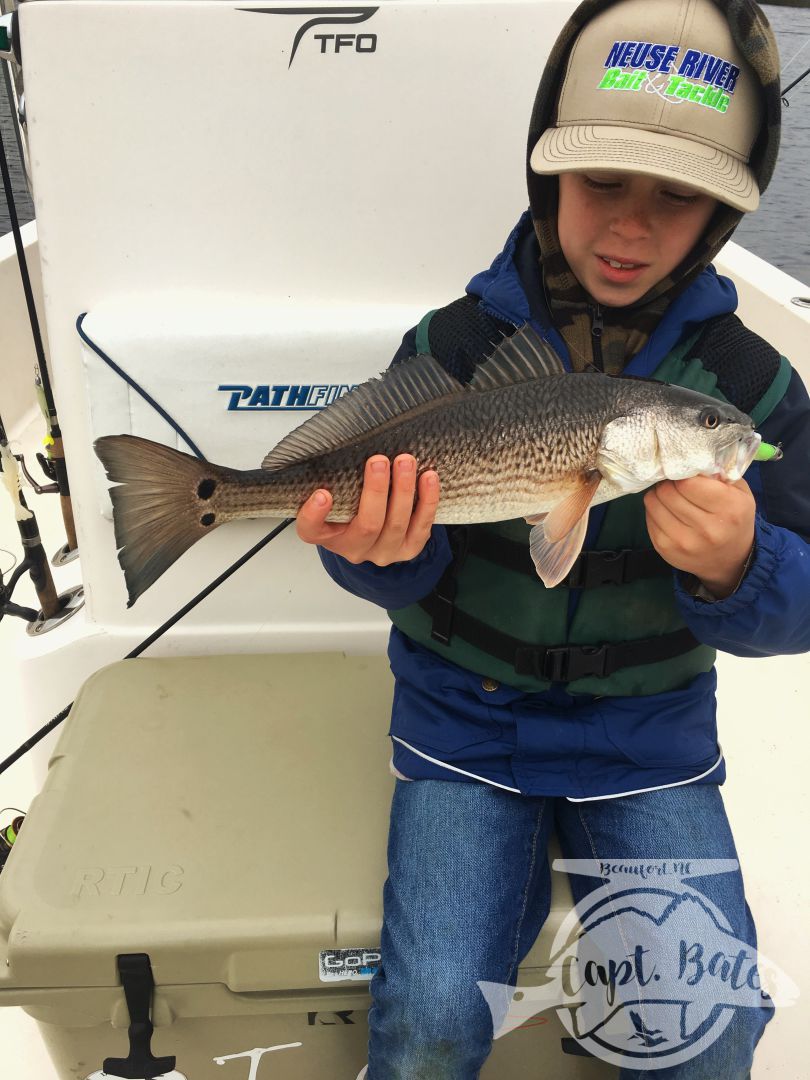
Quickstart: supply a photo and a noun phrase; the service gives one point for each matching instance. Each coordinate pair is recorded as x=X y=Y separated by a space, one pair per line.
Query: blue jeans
x=468 y=890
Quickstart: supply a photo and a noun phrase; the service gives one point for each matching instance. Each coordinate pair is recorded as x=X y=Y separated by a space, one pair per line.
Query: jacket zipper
x=596 y=332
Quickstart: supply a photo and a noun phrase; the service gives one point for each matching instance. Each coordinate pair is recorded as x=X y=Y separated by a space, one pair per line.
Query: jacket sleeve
x=769 y=614
x=403 y=583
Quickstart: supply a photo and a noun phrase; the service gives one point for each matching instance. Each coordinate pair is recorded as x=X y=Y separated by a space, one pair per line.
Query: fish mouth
x=739 y=456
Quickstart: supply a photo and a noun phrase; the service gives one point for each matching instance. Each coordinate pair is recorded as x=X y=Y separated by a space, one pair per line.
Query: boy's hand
x=385 y=530
x=704 y=526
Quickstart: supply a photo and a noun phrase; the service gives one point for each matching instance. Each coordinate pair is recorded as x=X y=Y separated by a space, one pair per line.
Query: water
x=22 y=200
x=779 y=231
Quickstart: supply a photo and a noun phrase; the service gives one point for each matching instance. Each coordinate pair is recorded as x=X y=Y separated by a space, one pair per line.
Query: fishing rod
x=35 y=556
x=54 y=608
x=54 y=466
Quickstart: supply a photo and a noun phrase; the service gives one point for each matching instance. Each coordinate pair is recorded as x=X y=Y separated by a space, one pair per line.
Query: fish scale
x=522 y=437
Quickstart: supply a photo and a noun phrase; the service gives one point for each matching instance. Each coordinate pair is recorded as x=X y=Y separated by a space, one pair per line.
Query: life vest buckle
x=572 y=662
x=594 y=568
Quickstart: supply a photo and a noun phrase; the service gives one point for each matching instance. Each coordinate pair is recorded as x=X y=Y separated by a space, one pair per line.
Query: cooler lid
x=225 y=815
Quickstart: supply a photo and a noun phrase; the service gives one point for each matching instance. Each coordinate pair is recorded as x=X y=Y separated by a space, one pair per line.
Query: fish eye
x=709 y=419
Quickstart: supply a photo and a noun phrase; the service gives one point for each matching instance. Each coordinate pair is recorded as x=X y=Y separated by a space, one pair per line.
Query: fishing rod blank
x=795 y=82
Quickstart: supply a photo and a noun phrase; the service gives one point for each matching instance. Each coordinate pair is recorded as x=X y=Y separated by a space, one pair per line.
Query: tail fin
x=160 y=507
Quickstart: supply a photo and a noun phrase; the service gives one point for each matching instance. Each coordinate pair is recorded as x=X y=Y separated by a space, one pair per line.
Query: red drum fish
x=523 y=438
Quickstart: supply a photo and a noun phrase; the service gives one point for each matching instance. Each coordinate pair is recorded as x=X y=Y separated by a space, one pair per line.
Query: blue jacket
x=447 y=724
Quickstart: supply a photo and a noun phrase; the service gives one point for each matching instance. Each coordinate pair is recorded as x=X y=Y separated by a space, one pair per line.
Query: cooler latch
x=135 y=971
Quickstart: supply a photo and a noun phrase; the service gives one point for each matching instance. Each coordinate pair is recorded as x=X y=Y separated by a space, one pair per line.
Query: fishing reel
x=51 y=468
x=9 y=834
x=47 y=467
x=55 y=608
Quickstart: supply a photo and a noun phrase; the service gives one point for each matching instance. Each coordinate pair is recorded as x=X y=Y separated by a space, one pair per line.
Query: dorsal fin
x=519 y=358
x=414 y=382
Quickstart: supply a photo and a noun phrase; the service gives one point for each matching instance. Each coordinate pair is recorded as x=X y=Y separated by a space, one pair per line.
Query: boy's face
x=643 y=220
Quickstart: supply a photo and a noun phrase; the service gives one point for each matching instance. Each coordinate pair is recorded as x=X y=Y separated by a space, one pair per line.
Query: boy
x=589 y=707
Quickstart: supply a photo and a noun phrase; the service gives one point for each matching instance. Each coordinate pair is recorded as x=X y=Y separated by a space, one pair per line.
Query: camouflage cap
x=659 y=88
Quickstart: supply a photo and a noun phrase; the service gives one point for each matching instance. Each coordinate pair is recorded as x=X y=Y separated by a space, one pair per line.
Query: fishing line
x=43 y=731
x=3 y=569
x=795 y=57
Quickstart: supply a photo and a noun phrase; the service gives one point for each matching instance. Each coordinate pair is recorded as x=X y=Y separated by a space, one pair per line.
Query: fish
x=522 y=439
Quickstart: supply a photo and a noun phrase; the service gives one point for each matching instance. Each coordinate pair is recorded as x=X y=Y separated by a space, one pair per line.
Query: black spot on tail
x=208 y=519
x=206 y=488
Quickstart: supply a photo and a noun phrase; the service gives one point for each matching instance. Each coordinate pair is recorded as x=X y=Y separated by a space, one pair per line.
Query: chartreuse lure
x=767 y=452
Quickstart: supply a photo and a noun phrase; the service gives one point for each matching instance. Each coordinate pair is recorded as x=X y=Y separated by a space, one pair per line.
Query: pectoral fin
x=567 y=513
x=556 y=541
x=630 y=456
x=554 y=560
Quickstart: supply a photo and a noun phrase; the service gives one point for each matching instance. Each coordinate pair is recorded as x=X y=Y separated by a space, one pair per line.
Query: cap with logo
x=658 y=87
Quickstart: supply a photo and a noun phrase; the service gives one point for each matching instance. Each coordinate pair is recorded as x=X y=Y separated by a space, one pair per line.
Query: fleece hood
x=626 y=329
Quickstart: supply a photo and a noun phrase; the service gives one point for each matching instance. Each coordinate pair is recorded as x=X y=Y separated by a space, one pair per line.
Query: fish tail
x=161 y=505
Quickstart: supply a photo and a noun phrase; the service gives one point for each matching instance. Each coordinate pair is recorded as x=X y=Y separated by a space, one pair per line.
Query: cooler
x=208 y=852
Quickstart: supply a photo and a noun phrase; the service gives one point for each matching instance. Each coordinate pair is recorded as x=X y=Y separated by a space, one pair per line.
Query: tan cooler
x=208 y=854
